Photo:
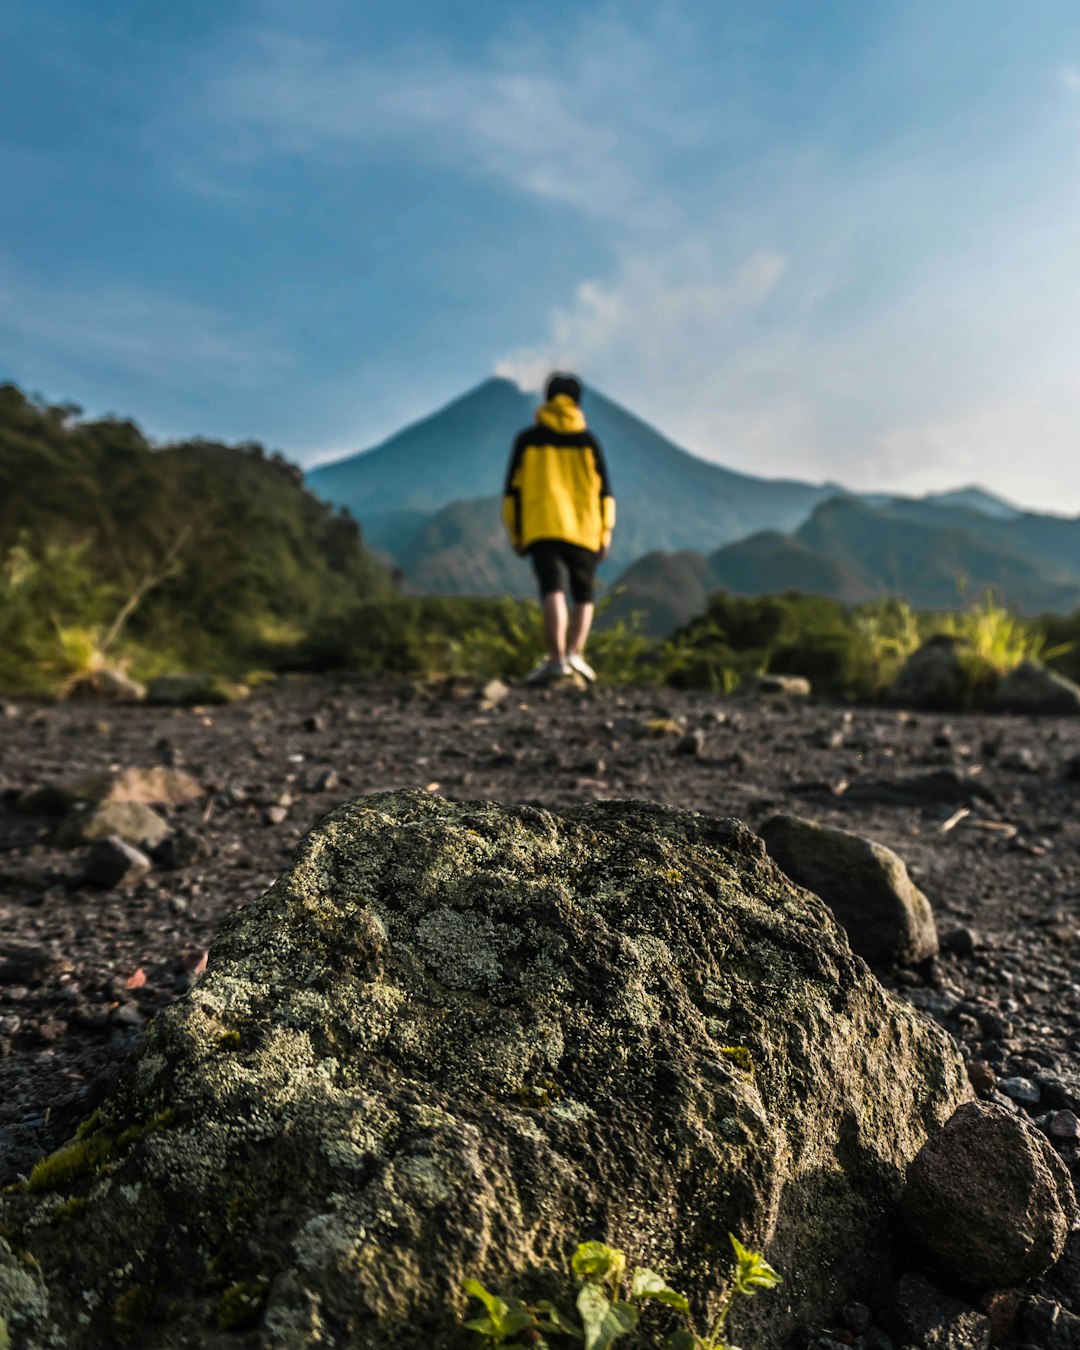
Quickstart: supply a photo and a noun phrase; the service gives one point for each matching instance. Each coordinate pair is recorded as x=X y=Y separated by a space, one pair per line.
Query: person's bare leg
x=555 y=620
x=581 y=618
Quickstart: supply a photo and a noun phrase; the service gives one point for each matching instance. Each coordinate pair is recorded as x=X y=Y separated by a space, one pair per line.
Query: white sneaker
x=582 y=667
x=548 y=670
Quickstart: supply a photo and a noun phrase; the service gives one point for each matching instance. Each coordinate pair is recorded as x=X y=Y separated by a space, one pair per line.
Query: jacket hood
x=561 y=414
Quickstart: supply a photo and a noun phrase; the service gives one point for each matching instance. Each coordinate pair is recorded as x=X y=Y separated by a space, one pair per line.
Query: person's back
x=558 y=508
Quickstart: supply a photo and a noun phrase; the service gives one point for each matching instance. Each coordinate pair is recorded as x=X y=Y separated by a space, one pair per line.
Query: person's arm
x=511 y=503
x=607 y=500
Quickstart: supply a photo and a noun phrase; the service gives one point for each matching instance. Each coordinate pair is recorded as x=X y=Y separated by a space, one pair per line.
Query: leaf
x=497 y=1309
x=604 y=1321
x=551 y=1319
x=647 y=1284
x=682 y=1340
x=518 y=1317
x=753 y=1271
x=597 y=1262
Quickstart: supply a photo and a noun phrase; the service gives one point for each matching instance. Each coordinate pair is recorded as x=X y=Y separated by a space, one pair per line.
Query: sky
x=832 y=240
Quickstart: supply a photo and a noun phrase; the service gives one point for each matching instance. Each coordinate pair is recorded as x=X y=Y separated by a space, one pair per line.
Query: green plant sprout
x=605 y=1314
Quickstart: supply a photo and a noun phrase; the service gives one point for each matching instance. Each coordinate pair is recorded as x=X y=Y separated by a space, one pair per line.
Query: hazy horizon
x=828 y=243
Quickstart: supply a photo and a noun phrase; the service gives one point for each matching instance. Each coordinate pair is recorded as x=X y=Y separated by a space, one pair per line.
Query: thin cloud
x=167 y=340
x=538 y=133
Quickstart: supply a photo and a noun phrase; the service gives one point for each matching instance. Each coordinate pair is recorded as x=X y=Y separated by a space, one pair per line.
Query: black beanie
x=564 y=384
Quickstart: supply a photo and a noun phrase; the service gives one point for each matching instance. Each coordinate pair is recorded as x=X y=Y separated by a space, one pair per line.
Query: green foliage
x=194 y=554
x=994 y=641
x=606 y=1310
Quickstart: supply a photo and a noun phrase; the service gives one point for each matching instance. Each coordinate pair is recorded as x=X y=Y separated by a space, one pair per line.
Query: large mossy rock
x=453 y=1040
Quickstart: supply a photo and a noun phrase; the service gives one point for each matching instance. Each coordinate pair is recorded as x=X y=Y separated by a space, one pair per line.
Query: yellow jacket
x=557 y=484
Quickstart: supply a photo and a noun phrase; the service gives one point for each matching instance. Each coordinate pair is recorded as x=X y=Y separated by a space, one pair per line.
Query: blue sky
x=826 y=240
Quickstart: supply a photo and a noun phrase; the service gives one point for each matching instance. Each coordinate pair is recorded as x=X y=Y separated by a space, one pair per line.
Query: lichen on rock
x=454 y=1039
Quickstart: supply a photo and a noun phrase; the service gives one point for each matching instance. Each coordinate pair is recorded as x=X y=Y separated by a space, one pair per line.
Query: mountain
x=850 y=550
x=667 y=498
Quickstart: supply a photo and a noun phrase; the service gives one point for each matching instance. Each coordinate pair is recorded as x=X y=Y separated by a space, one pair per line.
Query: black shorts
x=550 y=556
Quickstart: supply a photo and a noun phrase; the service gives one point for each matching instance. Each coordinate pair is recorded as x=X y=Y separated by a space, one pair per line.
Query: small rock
x=275 y=815
x=314 y=723
x=1064 y=1126
x=182 y=848
x=959 y=941
x=1048 y=1325
x=327 y=781
x=867 y=887
x=187 y=690
x=493 y=693
x=131 y=821
x=1031 y=688
x=693 y=743
x=113 y=862
x=792 y=686
x=933 y=676
x=856 y=1317
x=934 y=1321
x=990 y=1198
x=1021 y=1090
x=981 y=1077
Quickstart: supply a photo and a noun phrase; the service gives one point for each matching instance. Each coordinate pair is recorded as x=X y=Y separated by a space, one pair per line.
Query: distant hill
x=667 y=498
x=850 y=550
x=248 y=557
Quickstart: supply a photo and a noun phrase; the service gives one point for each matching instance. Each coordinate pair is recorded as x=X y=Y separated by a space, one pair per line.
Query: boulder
x=1031 y=688
x=132 y=822
x=887 y=918
x=185 y=690
x=111 y=862
x=453 y=1040
x=990 y=1198
x=933 y=676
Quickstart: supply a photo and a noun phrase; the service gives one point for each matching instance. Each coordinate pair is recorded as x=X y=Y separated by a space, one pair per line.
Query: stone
x=935 y=1321
x=493 y=693
x=866 y=885
x=190 y=690
x=1021 y=1090
x=1033 y=689
x=327 y=780
x=112 y=683
x=990 y=1198
x=180 y=848
x=112 y=862
x=1048 y=1325
x=156 y=786
x=130 y=821
x=692 y=744
x=933 y=675
x=790 y=686
x=981 y=1077
x=939 y=787
x=1064 y=1126
x=453 y=1040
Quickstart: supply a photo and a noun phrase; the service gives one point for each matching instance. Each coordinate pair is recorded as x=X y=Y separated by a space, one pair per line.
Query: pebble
x=112 y=862
x=1064 y=1126
x=1021 y=1090
x=981 y=1077
x=693 y=743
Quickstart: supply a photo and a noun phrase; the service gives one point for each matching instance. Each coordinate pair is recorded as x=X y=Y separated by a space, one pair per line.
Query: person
x=559 y=509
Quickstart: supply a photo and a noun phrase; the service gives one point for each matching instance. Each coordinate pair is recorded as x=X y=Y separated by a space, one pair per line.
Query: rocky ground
x=982 y=808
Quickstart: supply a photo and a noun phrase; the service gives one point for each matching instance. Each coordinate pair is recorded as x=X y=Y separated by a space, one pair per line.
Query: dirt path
x=81 y=968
